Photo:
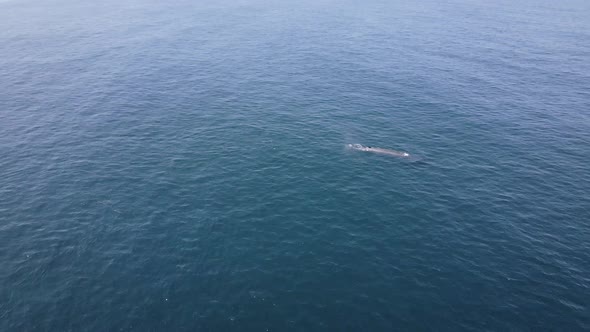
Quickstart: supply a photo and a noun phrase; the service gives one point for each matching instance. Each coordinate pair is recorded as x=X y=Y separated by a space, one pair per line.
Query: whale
x=389 y=152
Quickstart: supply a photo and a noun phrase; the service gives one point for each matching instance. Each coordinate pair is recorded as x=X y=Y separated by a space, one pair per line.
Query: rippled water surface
x=181 y=166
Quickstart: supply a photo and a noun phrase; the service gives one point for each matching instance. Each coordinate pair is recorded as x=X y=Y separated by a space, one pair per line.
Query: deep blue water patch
x=182 y=166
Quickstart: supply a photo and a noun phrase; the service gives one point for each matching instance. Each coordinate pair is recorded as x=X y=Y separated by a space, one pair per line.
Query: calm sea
x=181 y=166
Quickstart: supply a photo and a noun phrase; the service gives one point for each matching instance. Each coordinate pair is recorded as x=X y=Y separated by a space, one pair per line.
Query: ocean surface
x=181 y=166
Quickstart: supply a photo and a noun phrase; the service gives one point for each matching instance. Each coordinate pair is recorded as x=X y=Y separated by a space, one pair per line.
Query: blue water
x=181 y=166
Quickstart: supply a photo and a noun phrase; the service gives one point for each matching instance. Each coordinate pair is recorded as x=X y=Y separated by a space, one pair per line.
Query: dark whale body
x=395 y=153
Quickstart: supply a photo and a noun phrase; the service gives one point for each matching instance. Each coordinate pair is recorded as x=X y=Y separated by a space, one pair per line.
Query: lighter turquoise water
x=182 y=166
